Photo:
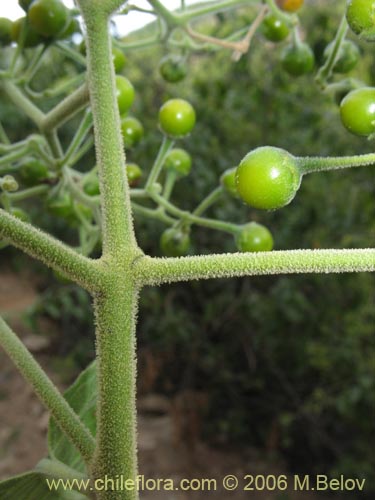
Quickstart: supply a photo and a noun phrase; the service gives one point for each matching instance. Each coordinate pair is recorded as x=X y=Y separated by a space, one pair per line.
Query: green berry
x=254 y=237
x=179 y=161
x=268 y=178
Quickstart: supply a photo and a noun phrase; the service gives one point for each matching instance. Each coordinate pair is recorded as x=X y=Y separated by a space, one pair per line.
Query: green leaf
x=33 y=486
x=82 y=398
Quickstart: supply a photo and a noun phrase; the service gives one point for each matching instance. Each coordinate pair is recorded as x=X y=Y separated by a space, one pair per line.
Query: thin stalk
x=23 y=103
x=54 y=143
x=73 y=54
x=211 y=8
x=325 y=71
x=48 y=394
x=66 y=109
x=227 y=227
x=28 y=193
x=165 y=147
x=169 y=184
x=85 y=148
x=3 y=135
x=14 y=155
x=169 y=17
x=34 y=64
x=212 y=198
x=152 y=214
x=79 y=137
x=308 y=165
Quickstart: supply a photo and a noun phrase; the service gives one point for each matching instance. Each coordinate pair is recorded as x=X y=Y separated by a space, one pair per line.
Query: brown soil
x=164 y=451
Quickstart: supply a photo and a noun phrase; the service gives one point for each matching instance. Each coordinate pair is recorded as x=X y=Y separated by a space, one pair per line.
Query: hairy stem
x=49 y=395
x=151 y=271
x=308 y=165
x=52 y=252
x=116 y=451
x=118 y=231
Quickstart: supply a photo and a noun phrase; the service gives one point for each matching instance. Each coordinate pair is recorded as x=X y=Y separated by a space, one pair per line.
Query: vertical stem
x=116 y=451
x=118 y=232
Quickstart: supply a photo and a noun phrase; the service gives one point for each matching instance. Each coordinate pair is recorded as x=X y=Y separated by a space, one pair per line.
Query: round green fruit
x=33 y=172
x=274 y=29
x=48 y=17
x=177 y=118
x=228 y=181
x=125 y=94
x=298 y=60
x=91 y=185
x=348 y=56
x=268 y=178
x=179 y=161
x=360 y=15
x=134 y=173
x=254 y=237
x=119 y=59
x=173 y=68
x=31 y=37
x=5 y=31
x=357 y=111
x=174 y=242
x=132 y=131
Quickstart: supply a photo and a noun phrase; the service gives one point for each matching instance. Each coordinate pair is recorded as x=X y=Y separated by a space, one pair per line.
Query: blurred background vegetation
x=287 y=362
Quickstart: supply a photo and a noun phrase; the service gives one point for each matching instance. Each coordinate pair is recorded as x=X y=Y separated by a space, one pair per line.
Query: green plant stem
x=53 y=141
x=22 y=102
x=78 y=194
x=325 y=71
x=85 y=148
x=115 y=311
x=152 y=213
x=28 y=193
x=194 y=219
x=66 y=109
x=290 y=19
x=14 y=155
x=49 y=395
x=73 y=54
x=169 y=184
x=116 y=304
x=308 y=165
x=79 y=137
x=118 y=231
x=212 y=198
x=34 y=64
x=52 y=252
x=166 y=146
x=154 y=271
x=3 y=135
x=169 y=17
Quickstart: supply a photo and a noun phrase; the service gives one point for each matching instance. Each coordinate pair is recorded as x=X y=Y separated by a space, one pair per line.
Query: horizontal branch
x=46 y=391
x=52 y=252
x=67 y=108
x=155 y=271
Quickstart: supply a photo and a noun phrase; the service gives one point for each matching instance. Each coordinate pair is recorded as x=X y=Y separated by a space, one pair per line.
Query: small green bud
x=8 y=183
